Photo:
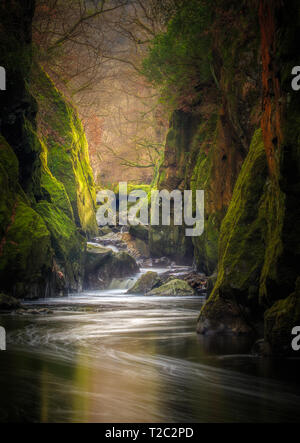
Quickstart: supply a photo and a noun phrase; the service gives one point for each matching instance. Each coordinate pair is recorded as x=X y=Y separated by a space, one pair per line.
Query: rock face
x=145 y=284
x=241 y=145
x=173 y=288
x=103 y=265
x=241 y=250
x=47 y=206
x=206 y=146
x=259 y=242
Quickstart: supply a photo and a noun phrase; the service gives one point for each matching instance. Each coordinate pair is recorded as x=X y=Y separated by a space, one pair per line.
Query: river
x=110 y=357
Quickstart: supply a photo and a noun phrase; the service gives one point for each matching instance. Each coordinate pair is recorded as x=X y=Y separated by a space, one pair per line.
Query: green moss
x=9 y=160
x=141 y=187
x=67 y=243
x=173 y=288
x=26 y=254
x=8 y=182
x=241 y=245
x=272 y=212
x=202 y=177
x=67 y=158
x=53 y=190
x=145 y=283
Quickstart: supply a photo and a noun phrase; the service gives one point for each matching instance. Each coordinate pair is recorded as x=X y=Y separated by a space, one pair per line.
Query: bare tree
x=93 y=51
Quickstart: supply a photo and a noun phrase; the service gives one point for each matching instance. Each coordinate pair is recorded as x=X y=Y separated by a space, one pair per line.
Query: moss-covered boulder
x=145 y=283
x=8 y=303
x=173 y=288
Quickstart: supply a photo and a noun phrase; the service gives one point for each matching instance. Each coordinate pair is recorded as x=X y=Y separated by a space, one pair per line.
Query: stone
x=173 y=288
x=145 y=284
x=8 y=303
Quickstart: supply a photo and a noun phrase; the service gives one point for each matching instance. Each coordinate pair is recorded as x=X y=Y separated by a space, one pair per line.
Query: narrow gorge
x=112 y=315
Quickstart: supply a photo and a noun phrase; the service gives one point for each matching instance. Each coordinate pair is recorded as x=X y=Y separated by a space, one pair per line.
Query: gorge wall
x=47 y=203
x=241 y=145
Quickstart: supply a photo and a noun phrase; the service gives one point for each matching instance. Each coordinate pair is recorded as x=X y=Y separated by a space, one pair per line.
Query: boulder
x=103 y=265
x=95 y=258
x=141 y=232
x=173 y=288
x=145 y=284
x=8 y=303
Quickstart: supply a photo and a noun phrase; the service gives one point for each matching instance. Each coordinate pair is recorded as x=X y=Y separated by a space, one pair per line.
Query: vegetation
x=179 y=60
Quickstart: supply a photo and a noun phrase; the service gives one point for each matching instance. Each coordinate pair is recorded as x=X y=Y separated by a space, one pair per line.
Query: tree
x=179 y=60
x=93 y=50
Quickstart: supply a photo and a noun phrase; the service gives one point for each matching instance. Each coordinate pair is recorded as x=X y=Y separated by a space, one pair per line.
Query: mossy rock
x=145 y=284
x=222 y=317
x=26 y=253
x=51 y=189
x=105 y=230
x=63 y=135
x=241 y=251
x=95 y=258
x=68 y=244
x=280 y=320
x=8 y=303
x=173 y=288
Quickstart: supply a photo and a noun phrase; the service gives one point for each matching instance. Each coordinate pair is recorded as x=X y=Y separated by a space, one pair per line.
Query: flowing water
x=109 y=357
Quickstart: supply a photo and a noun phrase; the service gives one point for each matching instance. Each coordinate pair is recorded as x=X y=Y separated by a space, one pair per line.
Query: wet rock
x=141 y=232
x=8 y=303
x=34 y=311
x=198 y=282
x=139 y=249
x=279 y=322
x=173 y=288
x=259 y=348
x=163 y=261
x=102 y=267
x=146 y=283
x=148 y=263
x=104 y=231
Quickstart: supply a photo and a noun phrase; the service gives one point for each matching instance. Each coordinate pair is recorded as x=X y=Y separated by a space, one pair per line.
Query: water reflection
x=109 y=357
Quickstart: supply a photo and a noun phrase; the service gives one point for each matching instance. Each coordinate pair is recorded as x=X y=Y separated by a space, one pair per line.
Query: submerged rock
x=8 y=303
x=145 y=284
x=173 y=288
